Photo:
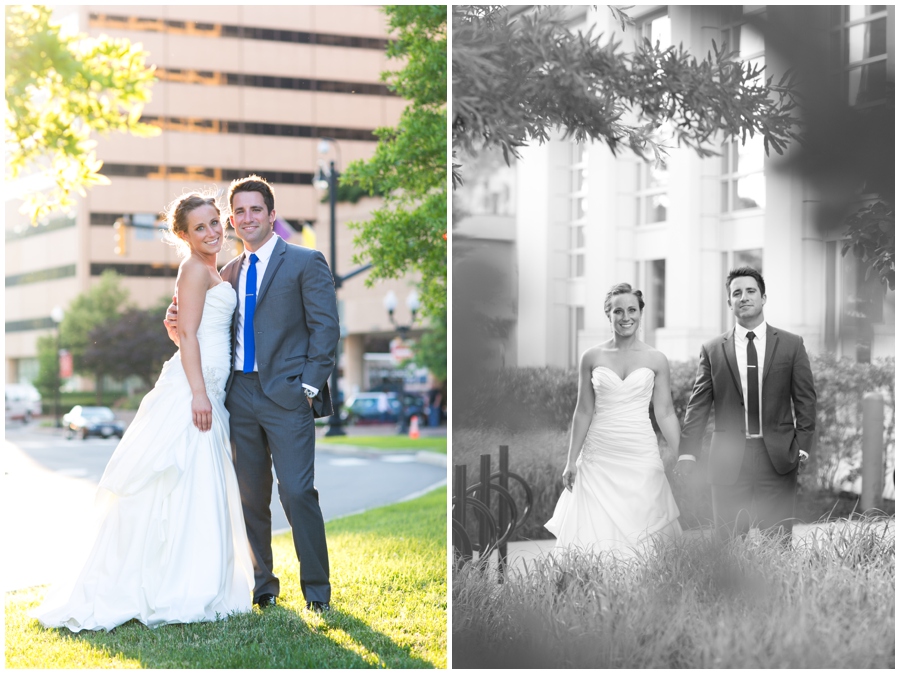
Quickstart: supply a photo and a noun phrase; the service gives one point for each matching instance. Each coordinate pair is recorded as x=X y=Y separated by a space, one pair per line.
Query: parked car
x=378 y=407
x=369 y=408
x=22 y=402
x=87 y=421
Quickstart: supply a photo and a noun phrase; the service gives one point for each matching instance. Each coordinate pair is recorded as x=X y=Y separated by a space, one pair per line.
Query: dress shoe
x=318 y=606
x=266 y=600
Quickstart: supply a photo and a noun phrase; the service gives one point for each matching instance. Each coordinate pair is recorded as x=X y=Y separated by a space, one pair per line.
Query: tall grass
x=698 y=603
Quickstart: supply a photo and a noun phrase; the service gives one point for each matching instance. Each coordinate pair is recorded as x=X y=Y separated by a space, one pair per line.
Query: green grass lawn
x=388 y=442
x=389 y=598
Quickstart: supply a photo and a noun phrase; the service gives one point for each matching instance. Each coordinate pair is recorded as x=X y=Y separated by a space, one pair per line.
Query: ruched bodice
x=621 y=423
x=621 y=496
x=214 y=336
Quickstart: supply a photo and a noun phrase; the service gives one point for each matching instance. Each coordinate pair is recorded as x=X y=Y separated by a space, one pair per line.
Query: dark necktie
x=752 y=386
x=249 y=310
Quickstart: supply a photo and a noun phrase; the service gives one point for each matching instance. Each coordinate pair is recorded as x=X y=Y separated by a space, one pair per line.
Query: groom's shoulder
x=301 y=253
x=710 y=344
x=790 y=337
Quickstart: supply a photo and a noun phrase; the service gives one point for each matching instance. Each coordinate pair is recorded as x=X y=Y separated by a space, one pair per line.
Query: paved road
x=49 y=484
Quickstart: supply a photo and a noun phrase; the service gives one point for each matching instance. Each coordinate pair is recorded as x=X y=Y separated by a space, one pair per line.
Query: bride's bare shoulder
x=596 y=355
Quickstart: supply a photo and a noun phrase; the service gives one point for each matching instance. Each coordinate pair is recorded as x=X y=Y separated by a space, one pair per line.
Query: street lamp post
x=390 y=304
x=329 y=181
x=57 y=314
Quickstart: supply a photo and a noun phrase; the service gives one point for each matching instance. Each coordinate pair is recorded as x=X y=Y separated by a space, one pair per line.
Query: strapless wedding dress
x=621 y=498
x=170 y=544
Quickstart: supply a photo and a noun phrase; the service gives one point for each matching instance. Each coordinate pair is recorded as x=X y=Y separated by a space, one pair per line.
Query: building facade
x=586 y=219
x=240 y=90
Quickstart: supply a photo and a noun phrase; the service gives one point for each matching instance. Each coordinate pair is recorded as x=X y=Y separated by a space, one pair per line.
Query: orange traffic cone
x=414 y=427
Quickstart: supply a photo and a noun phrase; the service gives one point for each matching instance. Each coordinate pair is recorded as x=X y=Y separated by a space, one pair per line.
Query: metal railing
x=493 y=533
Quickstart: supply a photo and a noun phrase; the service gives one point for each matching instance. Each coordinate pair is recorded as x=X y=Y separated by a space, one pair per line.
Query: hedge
x=530 y=409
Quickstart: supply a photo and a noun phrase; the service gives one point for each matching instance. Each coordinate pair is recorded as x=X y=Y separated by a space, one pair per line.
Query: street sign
x=65 y=363
x=400 y=350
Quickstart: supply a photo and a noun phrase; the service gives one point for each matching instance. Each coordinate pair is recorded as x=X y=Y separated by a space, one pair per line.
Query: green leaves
x=872 y=238
x=407 y=234
x=515 y=79
x=59 y=90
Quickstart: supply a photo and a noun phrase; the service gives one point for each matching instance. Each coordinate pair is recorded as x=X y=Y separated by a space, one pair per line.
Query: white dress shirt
x=740 y=348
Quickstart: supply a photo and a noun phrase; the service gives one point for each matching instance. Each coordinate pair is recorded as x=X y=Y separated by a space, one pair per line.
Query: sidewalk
x=521 y=554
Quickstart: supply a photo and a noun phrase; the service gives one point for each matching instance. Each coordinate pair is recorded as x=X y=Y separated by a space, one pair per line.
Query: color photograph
x=226 y=337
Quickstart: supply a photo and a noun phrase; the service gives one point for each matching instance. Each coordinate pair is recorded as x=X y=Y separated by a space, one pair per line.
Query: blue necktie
x=249 y=310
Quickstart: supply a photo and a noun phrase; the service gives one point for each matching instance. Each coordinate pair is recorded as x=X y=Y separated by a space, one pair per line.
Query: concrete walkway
x=522 y=554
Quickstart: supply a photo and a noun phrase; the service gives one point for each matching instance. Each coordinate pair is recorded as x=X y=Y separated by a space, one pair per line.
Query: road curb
x=422 y=456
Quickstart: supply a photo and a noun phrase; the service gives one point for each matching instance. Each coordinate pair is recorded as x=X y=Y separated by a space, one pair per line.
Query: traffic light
x=119 y=233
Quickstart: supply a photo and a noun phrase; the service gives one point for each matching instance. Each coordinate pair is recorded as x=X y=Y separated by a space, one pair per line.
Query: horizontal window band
x=204 y=29
x=32 y=230
x=214 y=78
x=150 y=270
x=201 y=173
x=197 y=125
x=65 y=271
x=30 y=324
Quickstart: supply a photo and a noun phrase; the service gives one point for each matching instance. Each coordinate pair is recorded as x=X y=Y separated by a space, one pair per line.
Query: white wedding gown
x=170 y=544
x=621 y=499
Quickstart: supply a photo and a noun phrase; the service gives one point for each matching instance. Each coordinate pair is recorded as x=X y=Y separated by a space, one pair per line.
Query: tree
x=130 y=344
x=99 y=305
x=517 y=78
x=48 y=361
x=431 y=351
x=408 y=233
x=60 y=89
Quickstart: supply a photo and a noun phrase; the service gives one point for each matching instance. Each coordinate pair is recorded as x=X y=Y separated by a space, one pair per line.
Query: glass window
x=859 y=39
x=652 y=194
x=658 y=282
x=743 y=164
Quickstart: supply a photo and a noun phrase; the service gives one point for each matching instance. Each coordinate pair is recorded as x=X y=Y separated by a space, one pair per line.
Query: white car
x=22 y=402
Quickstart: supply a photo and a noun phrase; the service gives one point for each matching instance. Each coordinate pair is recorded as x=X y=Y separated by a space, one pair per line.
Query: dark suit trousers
x=263 y=433
x=761 y=496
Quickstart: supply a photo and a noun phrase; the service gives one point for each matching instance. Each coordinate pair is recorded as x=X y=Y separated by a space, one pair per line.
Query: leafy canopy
x=408 y=233
x=130 y=344
x=102 y=303
x=60 y=89
x=515 y=79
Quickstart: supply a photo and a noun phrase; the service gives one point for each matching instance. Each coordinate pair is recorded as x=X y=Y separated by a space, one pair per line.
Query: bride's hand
x=569 y=476
x=201 y=410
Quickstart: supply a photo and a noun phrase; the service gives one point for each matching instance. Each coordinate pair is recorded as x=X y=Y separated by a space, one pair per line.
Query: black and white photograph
x=673 y=334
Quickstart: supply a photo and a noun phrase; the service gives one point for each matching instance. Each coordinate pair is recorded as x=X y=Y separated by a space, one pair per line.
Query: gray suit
x=737 y=473
x=297 y=331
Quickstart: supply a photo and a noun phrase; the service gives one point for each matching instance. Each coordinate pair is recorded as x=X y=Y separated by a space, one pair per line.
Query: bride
x=617 y=497
x=171 y=546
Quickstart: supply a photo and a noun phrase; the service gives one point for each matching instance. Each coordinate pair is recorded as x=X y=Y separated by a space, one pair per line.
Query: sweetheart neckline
x=642 y=367
x=218 y=284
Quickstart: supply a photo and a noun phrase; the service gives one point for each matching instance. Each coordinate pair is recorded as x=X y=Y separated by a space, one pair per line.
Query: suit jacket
x=788 y=405
x=296 y=323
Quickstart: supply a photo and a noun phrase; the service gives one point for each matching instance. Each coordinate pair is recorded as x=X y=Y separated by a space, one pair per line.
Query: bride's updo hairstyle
x=622 y=289
x=176 y=218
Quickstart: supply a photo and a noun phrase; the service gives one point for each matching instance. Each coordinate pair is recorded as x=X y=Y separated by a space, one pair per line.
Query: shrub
x=529 y=409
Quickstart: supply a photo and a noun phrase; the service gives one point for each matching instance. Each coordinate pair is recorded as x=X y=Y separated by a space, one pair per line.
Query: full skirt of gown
x=621 y=500
x=169 y=544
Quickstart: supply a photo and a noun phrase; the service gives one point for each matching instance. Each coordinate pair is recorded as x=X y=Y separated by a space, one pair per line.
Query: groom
x=758 y=380
x=285 y=334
